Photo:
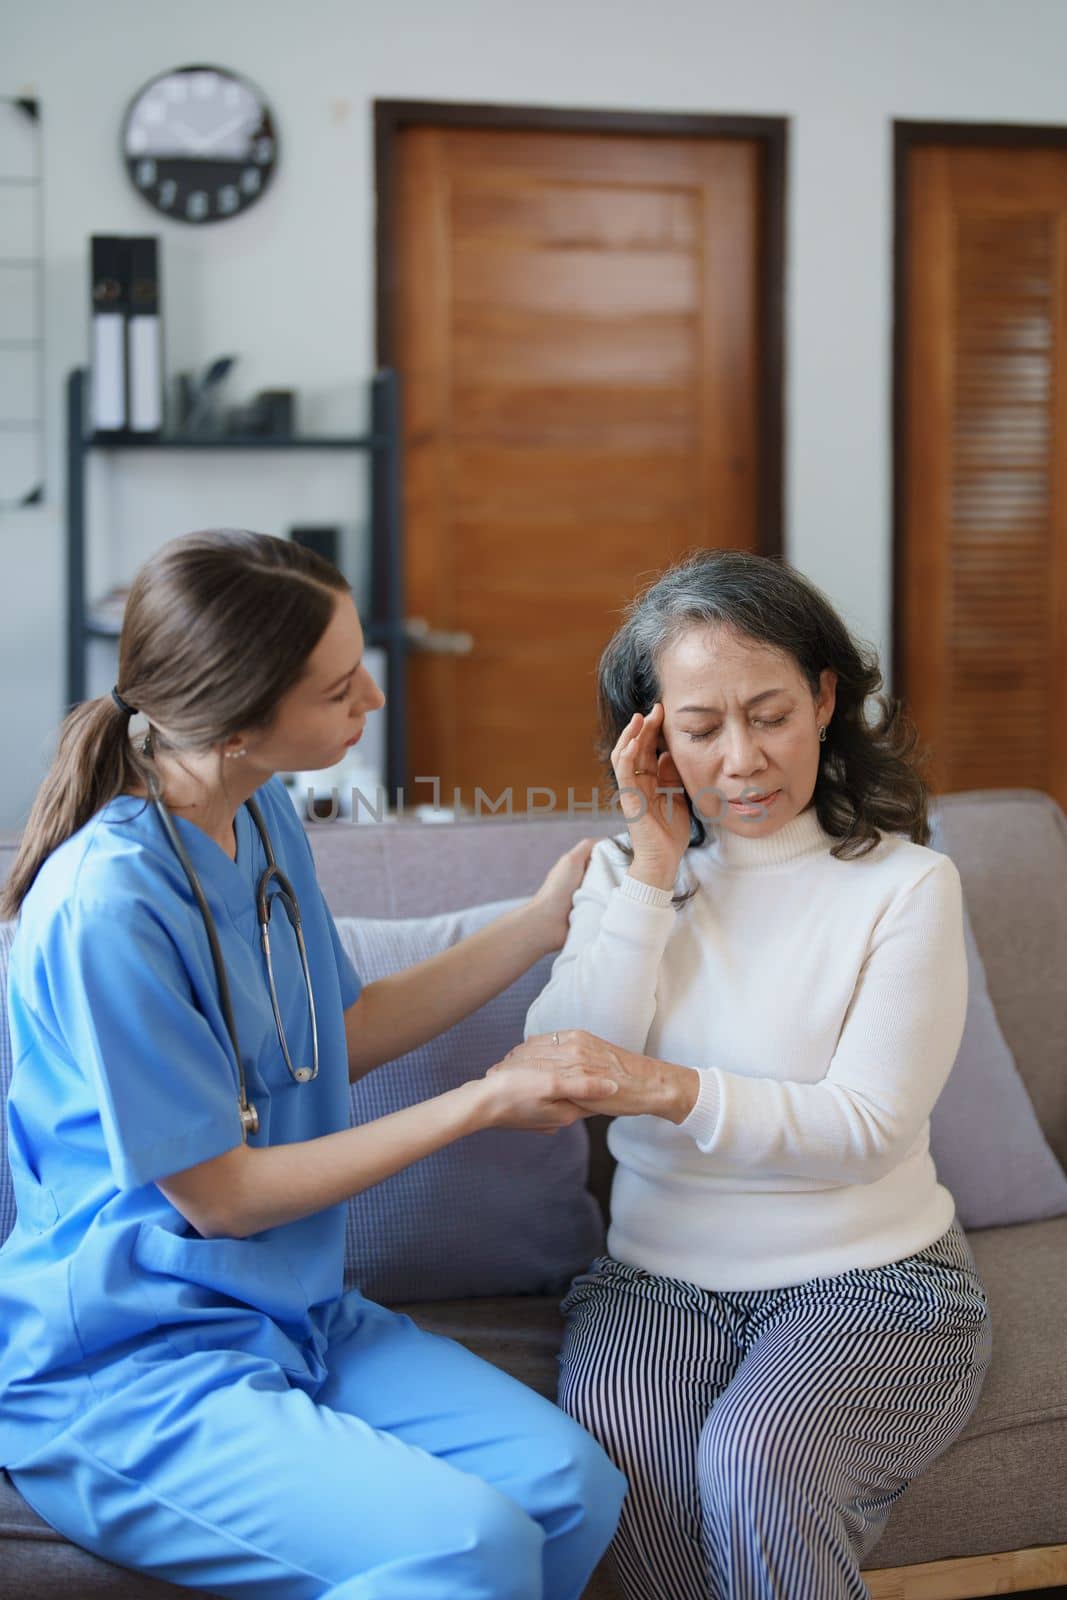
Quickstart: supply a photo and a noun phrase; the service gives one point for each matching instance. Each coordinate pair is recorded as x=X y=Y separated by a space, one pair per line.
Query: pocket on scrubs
x=37 y=1209
x=210 y=1294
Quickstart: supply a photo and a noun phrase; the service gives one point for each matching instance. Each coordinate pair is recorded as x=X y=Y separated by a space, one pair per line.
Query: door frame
x=906 y=137
x=391 y=118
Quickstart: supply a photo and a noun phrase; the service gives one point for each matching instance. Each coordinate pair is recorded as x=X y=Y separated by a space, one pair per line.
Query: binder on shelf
x=110 y=303
x=144 y=345
x=91 y=621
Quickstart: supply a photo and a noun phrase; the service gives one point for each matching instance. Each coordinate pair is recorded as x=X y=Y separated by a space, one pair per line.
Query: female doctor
x=186 y=1388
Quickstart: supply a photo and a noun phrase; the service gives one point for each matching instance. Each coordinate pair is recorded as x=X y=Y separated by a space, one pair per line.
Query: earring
x=233 y=754
x=822 y=734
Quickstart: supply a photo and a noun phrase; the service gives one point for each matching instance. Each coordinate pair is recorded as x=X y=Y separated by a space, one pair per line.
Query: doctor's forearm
x=402 y=1011
x=249 y=1189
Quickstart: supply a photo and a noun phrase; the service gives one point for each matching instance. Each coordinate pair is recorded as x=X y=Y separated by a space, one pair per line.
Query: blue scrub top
x=123 y=1074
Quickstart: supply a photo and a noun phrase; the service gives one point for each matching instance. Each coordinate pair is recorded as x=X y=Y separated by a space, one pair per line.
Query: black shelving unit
x=385 y=626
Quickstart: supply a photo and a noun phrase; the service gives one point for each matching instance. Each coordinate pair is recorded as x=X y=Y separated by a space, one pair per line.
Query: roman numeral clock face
x=200 y=144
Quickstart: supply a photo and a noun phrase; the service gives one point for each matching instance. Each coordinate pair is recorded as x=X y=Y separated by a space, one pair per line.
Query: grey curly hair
x=868 y=780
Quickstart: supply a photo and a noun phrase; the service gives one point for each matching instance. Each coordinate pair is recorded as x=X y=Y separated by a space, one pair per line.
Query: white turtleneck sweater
x=822 y=1002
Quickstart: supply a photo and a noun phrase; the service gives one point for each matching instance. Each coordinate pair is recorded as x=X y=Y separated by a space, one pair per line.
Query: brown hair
x=868 y=779
x=218 y=627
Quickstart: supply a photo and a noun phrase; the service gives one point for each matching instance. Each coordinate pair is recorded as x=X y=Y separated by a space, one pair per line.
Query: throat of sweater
x=796 y=839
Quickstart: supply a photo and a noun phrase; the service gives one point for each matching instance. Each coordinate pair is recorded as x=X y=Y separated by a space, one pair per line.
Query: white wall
x=841 y=70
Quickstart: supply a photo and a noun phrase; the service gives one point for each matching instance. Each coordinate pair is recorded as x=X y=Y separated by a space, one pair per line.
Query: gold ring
x=642 y=772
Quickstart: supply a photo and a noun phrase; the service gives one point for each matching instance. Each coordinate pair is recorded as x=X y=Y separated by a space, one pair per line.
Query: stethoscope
x=264 y=901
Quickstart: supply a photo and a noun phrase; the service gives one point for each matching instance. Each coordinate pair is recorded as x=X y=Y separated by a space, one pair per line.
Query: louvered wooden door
x=983 y=587
x=576 y=328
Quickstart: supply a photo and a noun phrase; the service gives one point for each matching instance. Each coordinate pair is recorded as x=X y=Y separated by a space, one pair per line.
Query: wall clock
x=200 y=144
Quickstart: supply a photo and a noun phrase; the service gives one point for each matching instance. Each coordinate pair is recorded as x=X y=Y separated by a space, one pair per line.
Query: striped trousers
x=766 y=1433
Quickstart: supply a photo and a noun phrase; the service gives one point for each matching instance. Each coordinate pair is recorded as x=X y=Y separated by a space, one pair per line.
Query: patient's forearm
x=606 y=983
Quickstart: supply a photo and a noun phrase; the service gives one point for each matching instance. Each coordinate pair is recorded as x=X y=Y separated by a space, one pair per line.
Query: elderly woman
x=788 y=1325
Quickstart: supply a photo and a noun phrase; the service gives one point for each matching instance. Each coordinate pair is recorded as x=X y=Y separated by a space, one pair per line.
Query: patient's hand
x=652 y=799
x=647 y=1087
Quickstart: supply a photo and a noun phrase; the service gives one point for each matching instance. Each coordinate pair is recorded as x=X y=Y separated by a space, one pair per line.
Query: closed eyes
x=760 y=722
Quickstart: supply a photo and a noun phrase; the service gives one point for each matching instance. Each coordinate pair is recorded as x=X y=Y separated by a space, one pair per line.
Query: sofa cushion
x=1010 y=846
x=500 y=1212
x=519 y=1333
x=985 y=1139
x=406 y=868
x=1000 y=1486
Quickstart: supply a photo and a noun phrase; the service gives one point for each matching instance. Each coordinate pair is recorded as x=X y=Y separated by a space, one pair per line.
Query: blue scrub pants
x=413 y=1471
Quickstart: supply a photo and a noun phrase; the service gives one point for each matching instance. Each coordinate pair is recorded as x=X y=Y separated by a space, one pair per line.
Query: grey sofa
x=991 y=1515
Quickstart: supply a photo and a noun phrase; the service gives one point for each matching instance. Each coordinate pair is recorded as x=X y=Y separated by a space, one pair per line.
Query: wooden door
x=576 y=326
x=982 y=573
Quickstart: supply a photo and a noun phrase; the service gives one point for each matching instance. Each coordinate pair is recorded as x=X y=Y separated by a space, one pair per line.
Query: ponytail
x=94 y=762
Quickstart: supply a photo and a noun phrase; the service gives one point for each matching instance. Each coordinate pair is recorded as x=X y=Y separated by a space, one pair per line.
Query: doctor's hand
x=542 y=1097
x=646 y=1087
x=550 y=907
